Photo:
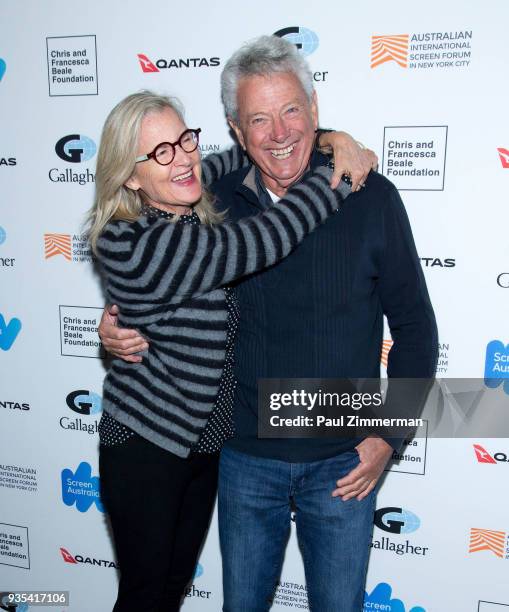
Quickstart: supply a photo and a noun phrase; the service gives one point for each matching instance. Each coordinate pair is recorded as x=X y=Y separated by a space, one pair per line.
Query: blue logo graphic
x=198 y=571
x=81 y=487
x=3 y=235
x=84 y=402
x=305 y=40
x=3 y=68
x=75 y=148
x=496 y=370
x=397 y=520
x=381 y=599
x=8 y=333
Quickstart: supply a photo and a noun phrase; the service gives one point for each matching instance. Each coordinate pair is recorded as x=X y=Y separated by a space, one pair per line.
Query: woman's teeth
x=282 y=153
x=183 y=177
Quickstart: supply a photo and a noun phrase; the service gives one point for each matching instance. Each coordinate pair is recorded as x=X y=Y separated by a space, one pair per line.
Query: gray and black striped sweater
x=166 y=279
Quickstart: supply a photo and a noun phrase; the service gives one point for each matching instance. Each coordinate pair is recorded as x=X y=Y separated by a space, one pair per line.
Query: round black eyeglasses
x=164 y=152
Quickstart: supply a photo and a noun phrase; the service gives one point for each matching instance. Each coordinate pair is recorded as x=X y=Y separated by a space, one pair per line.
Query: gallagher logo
x=305 y=40
x=484 y=457
x=75 y=559
x=147 y=65
x=8 y=332
x=84 y=402
x=397 y=520
x=75 y=148
x=496 y=370
x=487 y=539
x=381 y=599
x=81 y=487
x=504 y=157
x=502 y=280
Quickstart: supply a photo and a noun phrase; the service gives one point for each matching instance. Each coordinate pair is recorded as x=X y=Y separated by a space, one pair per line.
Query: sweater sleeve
x=159 y=262
x=216 y=165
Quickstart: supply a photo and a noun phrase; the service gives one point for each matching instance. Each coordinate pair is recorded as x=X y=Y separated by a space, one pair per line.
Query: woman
x=166 y=262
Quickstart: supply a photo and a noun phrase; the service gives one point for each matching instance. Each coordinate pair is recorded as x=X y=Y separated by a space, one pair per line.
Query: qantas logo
x=68 y=558
x=504 y=157
x=146 y=64
x=484 y=457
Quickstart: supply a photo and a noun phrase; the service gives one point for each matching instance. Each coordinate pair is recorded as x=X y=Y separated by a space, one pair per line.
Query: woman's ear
x=132 y=183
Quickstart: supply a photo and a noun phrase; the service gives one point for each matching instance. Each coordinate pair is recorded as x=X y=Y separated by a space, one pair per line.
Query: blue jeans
x=334 y=536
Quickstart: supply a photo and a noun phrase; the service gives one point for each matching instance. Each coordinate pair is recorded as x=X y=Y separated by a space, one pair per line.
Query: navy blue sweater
x=319 y=313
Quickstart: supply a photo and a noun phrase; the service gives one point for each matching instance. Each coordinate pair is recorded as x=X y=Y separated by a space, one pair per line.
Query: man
x=317 y=314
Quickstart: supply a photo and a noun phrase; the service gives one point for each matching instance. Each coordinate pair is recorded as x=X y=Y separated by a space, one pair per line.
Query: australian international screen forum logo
x=489 y=540
x=423 y=50
x=72 y=247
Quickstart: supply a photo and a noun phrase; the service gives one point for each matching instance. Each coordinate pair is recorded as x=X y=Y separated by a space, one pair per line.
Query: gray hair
x=262 y=56
x=116 y=161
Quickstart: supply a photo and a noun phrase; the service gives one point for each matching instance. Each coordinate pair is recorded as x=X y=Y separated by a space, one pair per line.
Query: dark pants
x=159 y=506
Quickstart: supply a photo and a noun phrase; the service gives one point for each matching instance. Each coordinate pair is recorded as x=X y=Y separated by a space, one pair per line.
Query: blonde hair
x=116 y=162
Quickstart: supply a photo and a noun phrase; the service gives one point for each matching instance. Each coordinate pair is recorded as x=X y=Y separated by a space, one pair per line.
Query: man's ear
x=314 y=109
x=240 y=137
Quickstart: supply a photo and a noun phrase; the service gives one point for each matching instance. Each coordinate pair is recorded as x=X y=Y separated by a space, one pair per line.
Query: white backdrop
x=442 y=91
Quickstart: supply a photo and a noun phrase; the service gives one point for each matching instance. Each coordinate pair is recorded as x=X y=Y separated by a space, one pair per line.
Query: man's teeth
x=282 y=153
x=183 y=177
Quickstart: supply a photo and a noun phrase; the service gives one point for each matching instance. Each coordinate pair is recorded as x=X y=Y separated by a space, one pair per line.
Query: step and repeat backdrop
x=423 y=85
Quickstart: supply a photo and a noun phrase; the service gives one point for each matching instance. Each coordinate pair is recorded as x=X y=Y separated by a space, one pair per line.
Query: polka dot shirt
x=220 y=424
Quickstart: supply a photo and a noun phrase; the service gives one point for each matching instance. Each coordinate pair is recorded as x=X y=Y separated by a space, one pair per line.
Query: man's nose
x=280 y=130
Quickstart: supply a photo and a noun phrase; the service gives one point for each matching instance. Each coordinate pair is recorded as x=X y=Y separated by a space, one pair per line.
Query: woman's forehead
x=162 y=125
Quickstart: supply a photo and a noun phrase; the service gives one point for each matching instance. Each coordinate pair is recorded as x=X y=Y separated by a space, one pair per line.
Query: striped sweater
x=167 y=279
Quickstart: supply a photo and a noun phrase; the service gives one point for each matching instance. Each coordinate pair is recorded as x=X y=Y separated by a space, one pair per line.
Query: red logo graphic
x=482 y=454
x=68 y=558
x=504 y=157
x=146 y=64
x=487 y=539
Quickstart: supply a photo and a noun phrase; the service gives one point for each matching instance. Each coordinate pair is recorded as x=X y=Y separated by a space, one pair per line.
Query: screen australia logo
x=80 y=488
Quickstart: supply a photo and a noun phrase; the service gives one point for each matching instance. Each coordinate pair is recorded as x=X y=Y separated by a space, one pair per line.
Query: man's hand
x=123 y=343
x=349 y=158
x=374 y=454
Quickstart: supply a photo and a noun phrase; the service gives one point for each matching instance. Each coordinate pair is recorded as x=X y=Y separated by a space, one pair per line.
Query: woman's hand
x=350 y=158
x=120 y=342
